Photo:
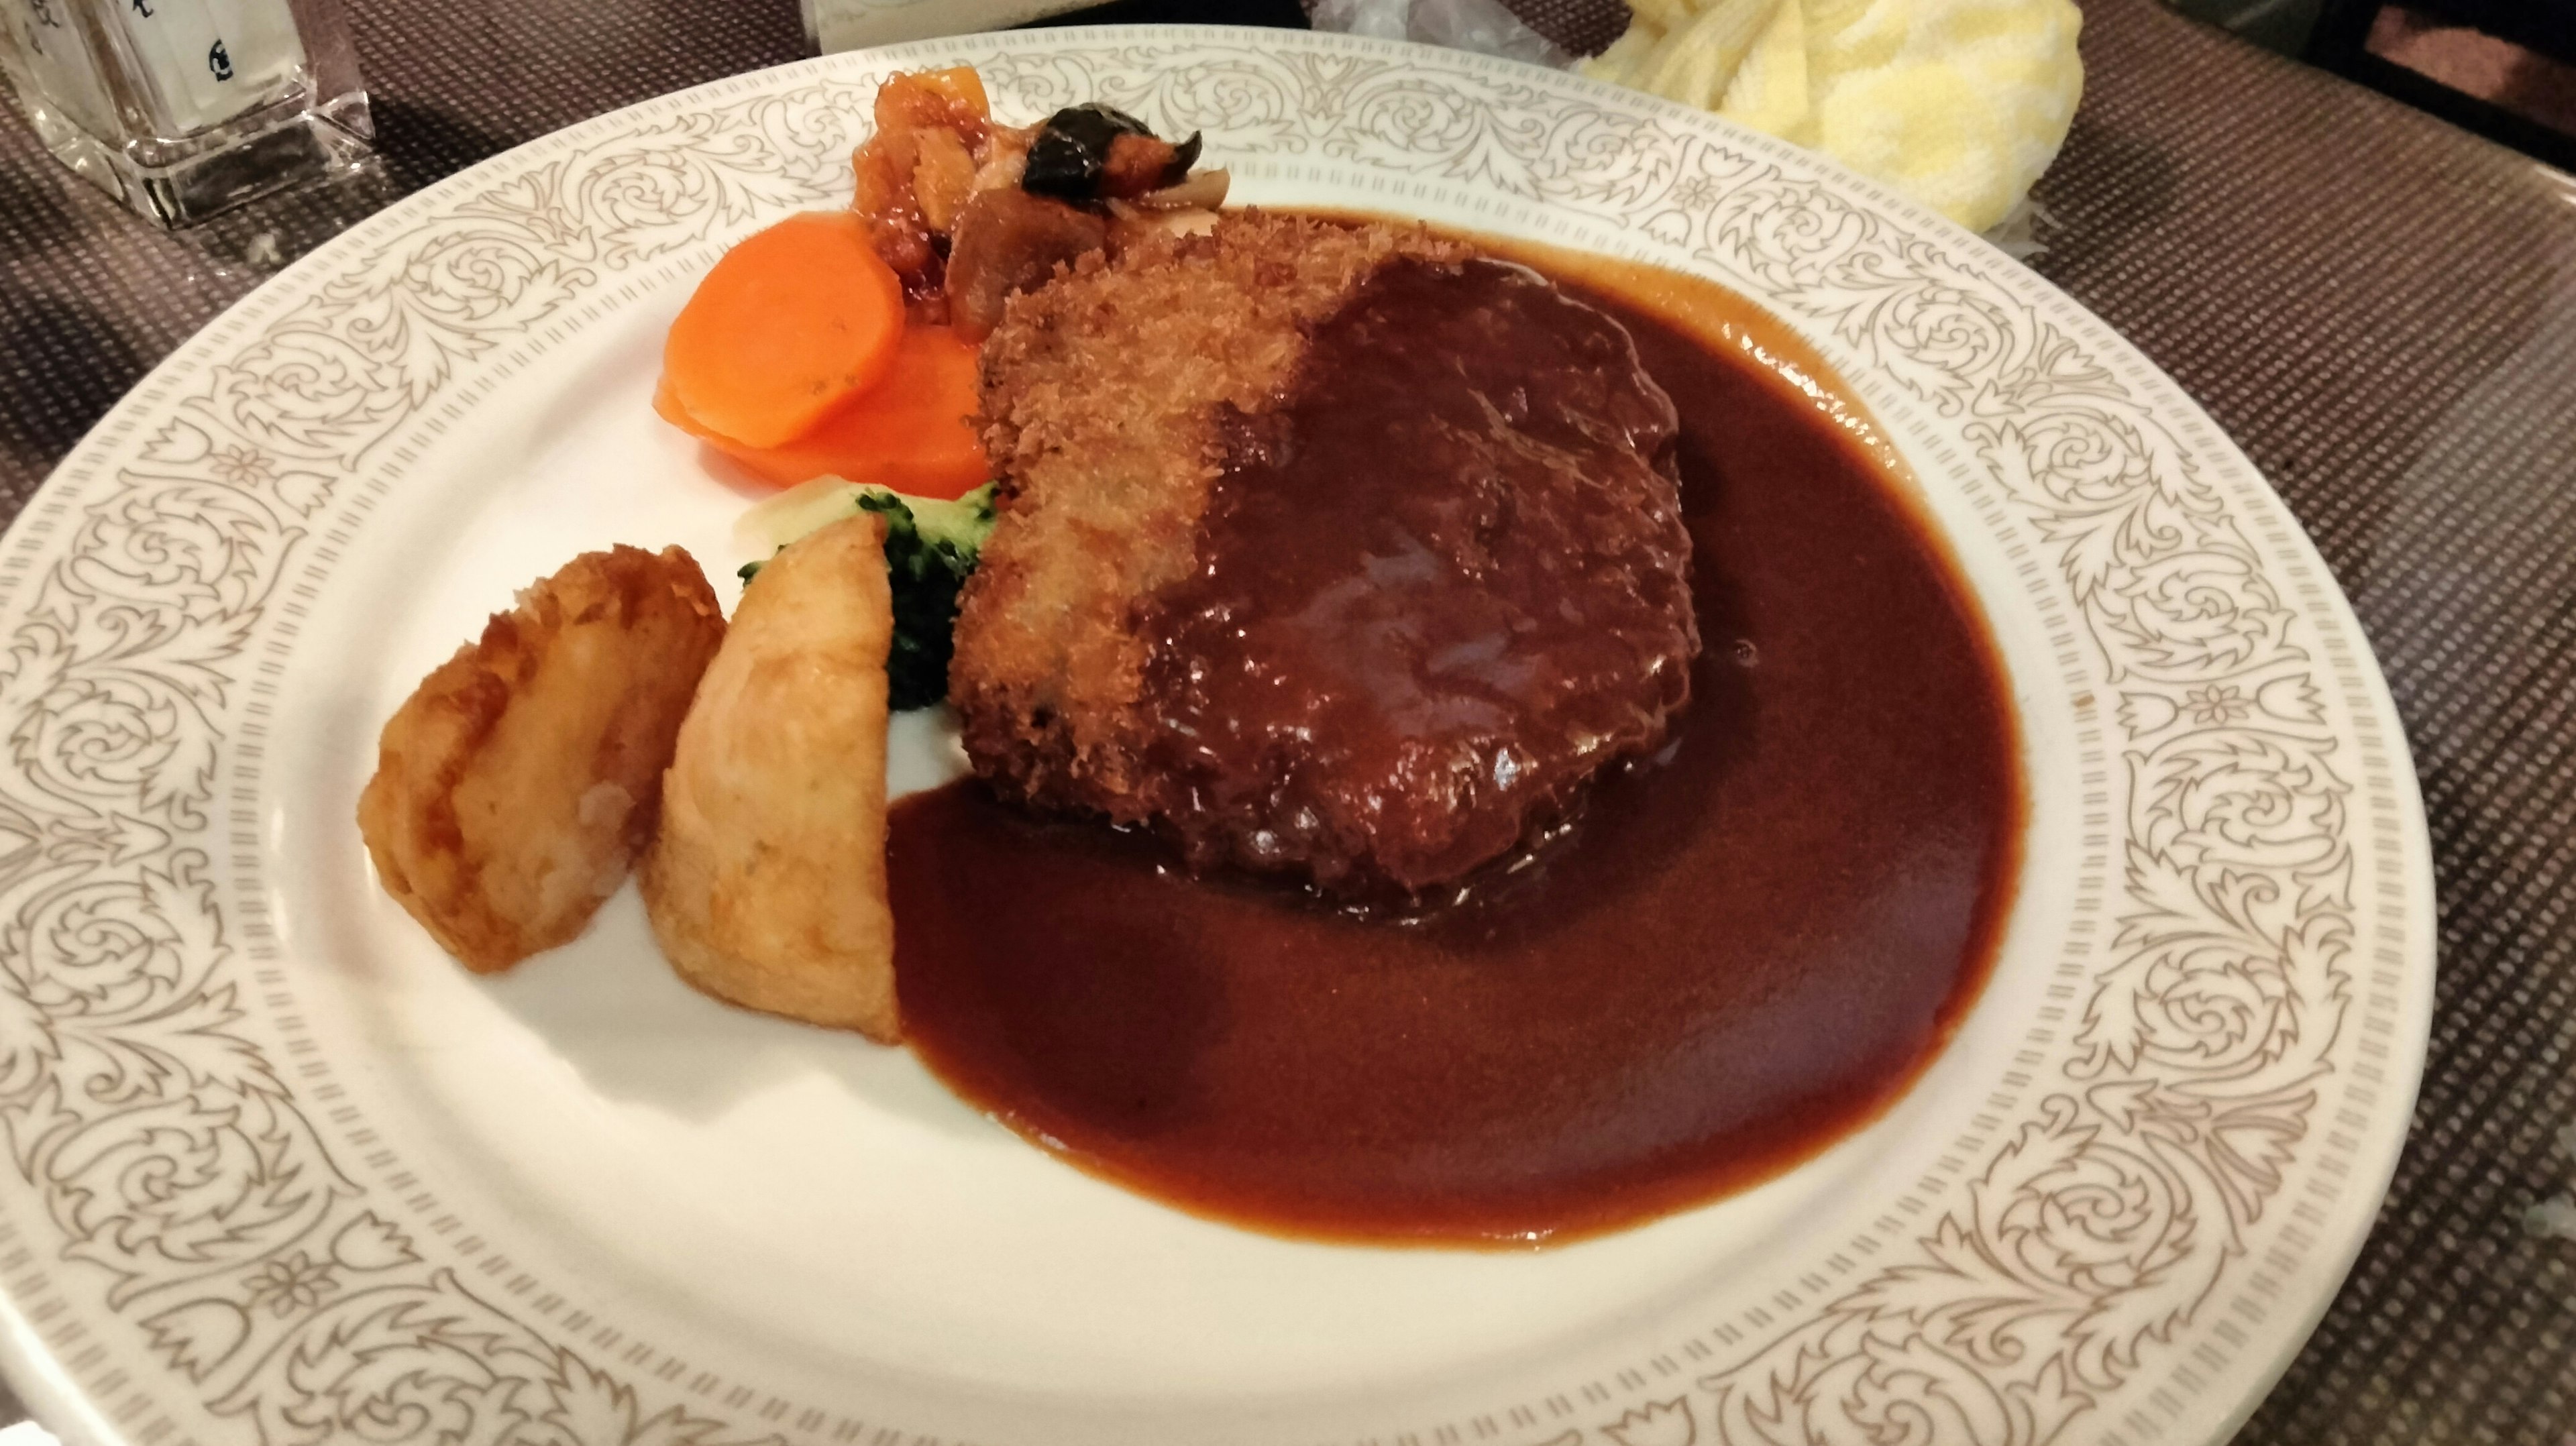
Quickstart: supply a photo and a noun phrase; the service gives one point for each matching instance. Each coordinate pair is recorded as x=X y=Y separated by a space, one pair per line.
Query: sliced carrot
x=793 y=323
x=910 y=432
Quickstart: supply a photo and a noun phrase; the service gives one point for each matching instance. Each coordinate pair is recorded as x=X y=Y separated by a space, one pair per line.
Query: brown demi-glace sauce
x=1743 y=949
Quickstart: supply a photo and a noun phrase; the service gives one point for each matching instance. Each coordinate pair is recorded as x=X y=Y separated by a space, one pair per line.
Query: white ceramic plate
x=282 y=1172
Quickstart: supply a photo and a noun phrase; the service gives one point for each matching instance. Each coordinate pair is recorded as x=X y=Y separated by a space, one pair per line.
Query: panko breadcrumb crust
x=1107 y=398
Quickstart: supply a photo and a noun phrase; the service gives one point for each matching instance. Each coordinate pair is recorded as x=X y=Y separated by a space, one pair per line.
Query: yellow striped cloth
x=1958 y=103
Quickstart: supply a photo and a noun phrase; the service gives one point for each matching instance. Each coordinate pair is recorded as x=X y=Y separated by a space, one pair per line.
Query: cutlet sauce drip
x=1742 y=948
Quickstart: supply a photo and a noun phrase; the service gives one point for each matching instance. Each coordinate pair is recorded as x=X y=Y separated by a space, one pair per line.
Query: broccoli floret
x=930 y=547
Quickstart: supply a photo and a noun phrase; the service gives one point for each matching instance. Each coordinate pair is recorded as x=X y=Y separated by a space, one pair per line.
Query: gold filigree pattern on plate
x=164 y=1155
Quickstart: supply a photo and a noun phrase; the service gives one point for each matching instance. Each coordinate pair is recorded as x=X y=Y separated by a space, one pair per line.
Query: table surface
x=2380 y=309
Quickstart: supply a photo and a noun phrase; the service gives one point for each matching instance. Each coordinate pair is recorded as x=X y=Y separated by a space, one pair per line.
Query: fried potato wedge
x=767 y=882
x=516 y=785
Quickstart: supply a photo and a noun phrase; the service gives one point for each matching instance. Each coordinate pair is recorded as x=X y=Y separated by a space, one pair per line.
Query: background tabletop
x=2380 y=309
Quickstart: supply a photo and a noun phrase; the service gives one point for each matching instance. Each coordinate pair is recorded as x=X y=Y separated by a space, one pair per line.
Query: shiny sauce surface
x=1743 y=948
x=1438 y=589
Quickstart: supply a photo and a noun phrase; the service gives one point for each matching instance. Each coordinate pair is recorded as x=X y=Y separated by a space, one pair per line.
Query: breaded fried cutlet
x=516 y=785
x=1330 y=551
x=1107 y=401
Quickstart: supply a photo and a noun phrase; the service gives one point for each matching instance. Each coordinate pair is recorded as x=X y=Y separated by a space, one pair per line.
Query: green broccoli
x=930 y=547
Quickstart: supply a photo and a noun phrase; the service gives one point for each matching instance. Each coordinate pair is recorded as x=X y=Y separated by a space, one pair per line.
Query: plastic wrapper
x=1961 y=104
x=1482 y=26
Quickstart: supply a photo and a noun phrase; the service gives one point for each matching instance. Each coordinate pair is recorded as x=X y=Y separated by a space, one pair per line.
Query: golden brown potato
x=767 y=882
x=514 y=788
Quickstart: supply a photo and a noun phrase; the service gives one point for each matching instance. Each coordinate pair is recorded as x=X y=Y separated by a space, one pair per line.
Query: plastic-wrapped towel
x=1958 y=103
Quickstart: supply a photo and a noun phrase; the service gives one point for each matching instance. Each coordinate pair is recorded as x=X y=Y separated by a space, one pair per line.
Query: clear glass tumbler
x=185 y=108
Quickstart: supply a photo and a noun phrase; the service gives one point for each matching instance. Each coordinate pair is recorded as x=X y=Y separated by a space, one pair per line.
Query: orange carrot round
x=791 y=325
x=910 y=432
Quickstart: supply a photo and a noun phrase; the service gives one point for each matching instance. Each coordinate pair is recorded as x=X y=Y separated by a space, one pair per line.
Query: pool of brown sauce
x=1744 y=949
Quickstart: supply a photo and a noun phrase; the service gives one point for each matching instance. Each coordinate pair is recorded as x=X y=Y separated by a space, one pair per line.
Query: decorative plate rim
x=141 y=579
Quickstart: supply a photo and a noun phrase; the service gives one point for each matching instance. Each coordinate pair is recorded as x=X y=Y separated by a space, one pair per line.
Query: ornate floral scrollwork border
x=179 y=1231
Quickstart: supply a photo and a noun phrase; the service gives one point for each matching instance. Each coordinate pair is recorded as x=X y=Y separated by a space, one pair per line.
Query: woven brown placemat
x=2382 y=310
x=1581 y=27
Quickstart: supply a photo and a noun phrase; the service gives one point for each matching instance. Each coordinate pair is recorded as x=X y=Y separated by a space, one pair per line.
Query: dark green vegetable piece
x=928 y=557
x=1071 y=154
x=1072 y=149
